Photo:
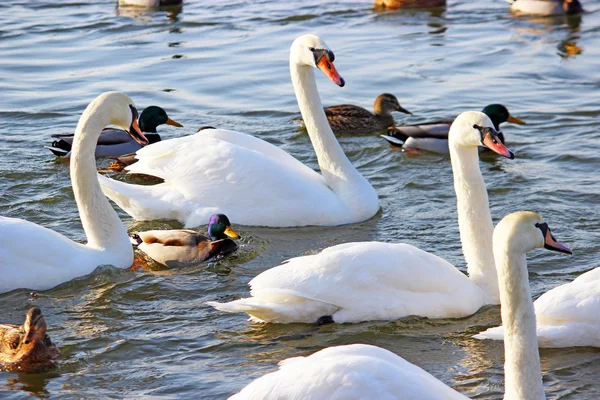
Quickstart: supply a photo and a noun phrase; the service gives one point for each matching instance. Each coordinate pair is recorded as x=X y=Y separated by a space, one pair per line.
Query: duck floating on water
x=546 y=7
x=27 y=347
x=150 y=3
x=182 y=247
x=351 y=119
x=396 y=4
x=115 y=142
x=433 y=136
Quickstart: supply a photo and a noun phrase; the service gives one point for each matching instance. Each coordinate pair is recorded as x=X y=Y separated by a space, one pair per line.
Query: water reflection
x=31 y=383
x=147 y=14
x=567 y=47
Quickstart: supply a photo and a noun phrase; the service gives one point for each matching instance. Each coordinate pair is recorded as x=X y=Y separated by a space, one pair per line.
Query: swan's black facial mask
x=134 y=131
x=550 y=241
x=490 y=139
x=324 y=61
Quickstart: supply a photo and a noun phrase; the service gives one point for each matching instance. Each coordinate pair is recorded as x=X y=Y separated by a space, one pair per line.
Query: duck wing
x=347 y=111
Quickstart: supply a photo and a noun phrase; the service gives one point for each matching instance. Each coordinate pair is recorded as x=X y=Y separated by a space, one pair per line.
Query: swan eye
x=311 y=48
x=134 y=112
x=331 y=55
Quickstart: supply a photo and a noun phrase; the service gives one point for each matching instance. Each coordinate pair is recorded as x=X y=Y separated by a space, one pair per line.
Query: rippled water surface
x=130 y=334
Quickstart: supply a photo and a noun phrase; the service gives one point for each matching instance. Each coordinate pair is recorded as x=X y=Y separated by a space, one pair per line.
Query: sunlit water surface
x=130 y=334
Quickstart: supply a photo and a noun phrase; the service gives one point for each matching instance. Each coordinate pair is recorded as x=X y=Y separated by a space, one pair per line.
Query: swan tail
x=496 y=333
x=142 y=202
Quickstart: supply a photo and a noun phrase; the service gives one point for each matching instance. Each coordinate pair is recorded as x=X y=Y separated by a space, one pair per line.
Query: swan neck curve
x=522 y=370
x=102 y=226
x=339 y=173
x=474 y=218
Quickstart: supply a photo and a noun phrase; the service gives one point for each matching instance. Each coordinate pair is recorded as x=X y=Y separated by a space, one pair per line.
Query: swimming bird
x=433 y=136
x=27 y=347
x=250 y=180
x=360 y=371
x=364 y=281
x=182 y=247
x=35 y=257
x=546 y=7
x=351 y=119
x=117 y=142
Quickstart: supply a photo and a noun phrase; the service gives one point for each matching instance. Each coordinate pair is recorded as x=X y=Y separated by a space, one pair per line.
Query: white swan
x=361 y=371
x=35 y=257
x=567 y=316
x=248 y=179
x=355 y=282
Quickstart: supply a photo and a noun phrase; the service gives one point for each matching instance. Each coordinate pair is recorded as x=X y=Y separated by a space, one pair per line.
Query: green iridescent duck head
x=219 y=228
x=499 y=114
x=154 y=116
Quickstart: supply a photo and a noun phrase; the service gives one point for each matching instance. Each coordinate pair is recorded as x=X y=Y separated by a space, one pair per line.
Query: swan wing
x=35 y=257
x=228 y=172
x=365 y=281
x=349 y=372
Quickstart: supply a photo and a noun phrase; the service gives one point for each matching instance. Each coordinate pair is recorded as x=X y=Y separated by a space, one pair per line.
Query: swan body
x=181 y=247
x=567 y=316
x=351 y=119
x=379 y=281
x=117 y=142
x=35 y=257
x=361 y=371
x=27 y=347
x=433 y=136
x=250 y=180
x=546 y=7
x=352 y=372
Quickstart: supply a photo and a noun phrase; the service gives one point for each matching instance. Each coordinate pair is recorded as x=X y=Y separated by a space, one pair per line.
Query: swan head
x=219 y=228
x=312 y=51
x=474 y=128
x=385 y=103
x=525 y=231
x=119 y=110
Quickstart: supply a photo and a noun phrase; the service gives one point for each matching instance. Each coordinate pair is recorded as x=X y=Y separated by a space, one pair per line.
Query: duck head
x=499 y=114
x=474 y=128
x=154 y=116
x=219 y=228
x=386 y=103
x=34 y=351
x=312 y=51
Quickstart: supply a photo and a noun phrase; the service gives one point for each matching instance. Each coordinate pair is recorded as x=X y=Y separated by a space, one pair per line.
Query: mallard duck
x=546 y=7
x=433 y=136
x=117 y=142
x=27 y=347
x=249 y=179
x=182 y=247
x=395 y=4
x=348 y=118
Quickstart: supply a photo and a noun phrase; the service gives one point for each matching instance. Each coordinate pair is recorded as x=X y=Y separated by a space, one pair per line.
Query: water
x=130 y=334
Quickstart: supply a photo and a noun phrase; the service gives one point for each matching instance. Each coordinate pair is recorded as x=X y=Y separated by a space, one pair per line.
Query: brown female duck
x=348 y=118
x=182 y=247
x=27 y=347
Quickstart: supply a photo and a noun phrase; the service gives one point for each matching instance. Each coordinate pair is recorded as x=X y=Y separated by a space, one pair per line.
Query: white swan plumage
x=567 y=316
x=359 y=371
x=249 y=179
x=356 y=282
x=35 y=257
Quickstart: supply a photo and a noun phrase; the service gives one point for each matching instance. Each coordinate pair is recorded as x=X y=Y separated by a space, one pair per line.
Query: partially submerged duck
x=115 y=142
x=348 y=118
x=27 y=347
x=182 y=247
x=433 y=136
x=395 y=4
x=546 y=7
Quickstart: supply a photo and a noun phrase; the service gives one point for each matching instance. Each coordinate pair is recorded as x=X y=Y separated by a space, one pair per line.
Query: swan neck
x=522 y=370
x=474 y=219
x=339 y=173
x=101 y=223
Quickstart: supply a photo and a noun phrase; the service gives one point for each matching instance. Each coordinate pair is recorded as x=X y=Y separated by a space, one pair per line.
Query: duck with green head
x=433 y=136
x=27 y=347
x=117 y=142
x=183 y=247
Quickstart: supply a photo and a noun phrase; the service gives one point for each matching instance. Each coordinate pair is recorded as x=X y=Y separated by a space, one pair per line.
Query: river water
x=134 y=334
